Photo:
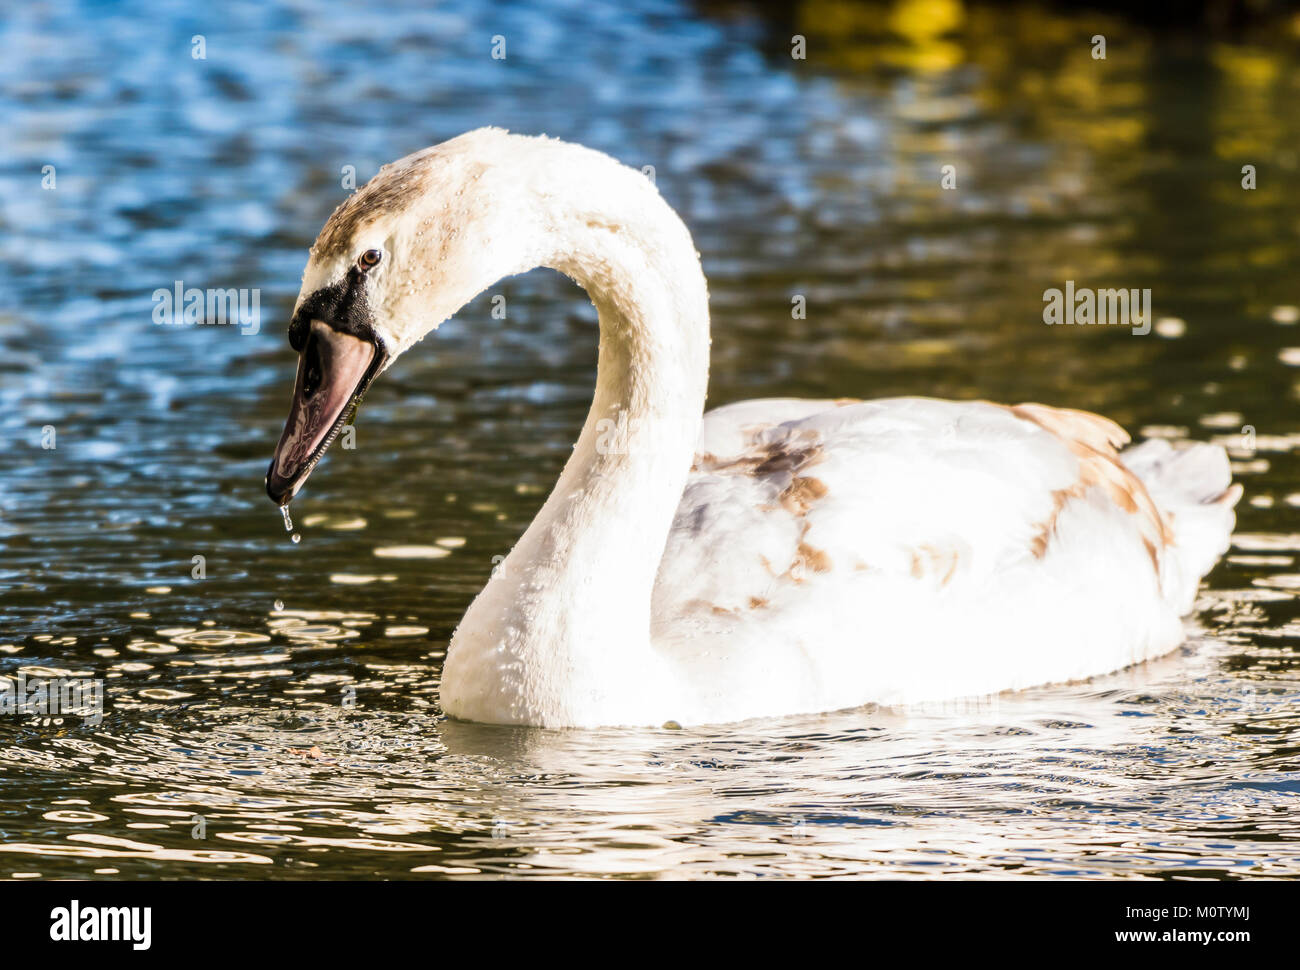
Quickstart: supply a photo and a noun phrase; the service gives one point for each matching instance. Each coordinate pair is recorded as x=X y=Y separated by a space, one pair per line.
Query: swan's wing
x=799 y=510
x=934 y=490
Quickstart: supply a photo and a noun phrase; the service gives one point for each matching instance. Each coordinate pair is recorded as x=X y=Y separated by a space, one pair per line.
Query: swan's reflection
x=900 y=790
x=1144 y=770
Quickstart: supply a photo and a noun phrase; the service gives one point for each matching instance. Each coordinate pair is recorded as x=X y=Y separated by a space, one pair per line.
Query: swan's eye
x=370 y=258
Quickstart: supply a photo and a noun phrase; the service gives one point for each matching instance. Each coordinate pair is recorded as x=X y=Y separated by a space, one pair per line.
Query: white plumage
x=776 y=556
x=908 y=550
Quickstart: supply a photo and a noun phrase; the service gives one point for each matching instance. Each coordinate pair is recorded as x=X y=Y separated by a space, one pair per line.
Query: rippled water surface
x=284 y=707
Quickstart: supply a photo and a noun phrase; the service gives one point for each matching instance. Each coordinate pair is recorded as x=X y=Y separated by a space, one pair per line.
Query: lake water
x=284 y=708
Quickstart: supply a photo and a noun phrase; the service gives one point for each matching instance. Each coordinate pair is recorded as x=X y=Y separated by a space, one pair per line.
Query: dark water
x=816 y=177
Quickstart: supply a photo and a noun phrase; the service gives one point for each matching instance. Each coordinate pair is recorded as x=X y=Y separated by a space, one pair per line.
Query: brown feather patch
x=801 y=493
x=814 y=559
x=1093 y=440
x=392 y=190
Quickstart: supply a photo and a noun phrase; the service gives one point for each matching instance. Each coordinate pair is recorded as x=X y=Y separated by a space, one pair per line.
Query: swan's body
x=770 y=557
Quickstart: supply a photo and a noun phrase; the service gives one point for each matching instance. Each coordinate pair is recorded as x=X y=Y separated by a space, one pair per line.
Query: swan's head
x=398 y=257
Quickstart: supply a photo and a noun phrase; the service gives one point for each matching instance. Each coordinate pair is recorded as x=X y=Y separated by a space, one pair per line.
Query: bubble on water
x=296 y=538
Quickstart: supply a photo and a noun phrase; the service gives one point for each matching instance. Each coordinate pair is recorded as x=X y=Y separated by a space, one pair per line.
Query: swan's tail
x=1191 y=482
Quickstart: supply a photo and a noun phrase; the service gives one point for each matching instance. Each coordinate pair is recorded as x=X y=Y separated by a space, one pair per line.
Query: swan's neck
x=566 y=618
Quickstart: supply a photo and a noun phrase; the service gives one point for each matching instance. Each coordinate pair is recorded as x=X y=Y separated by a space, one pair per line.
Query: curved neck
x=568 y=612
x=607 y=519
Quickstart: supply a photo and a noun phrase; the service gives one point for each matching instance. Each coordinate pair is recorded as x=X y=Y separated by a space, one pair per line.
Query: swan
x=770 y=557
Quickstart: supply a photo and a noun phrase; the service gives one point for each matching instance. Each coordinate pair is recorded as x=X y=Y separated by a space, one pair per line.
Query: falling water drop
x=288 y=521
x=279 y=605
x=296 y=538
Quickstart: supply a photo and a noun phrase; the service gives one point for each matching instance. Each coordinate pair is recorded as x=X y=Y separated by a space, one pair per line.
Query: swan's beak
x=334 y=371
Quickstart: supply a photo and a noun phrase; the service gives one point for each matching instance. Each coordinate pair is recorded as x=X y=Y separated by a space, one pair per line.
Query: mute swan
x=771 y=557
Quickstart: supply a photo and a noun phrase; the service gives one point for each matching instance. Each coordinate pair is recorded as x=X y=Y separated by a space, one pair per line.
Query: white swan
x=771 y=557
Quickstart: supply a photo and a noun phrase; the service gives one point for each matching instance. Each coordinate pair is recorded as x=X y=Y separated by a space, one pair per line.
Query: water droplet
x=288 y=520
x=279 y=605
x=296 y=538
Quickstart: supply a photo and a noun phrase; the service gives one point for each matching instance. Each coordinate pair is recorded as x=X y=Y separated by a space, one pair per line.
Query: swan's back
x=912 y=549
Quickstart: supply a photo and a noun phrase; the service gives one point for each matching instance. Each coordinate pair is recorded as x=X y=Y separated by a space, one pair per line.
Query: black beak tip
x=278 y=490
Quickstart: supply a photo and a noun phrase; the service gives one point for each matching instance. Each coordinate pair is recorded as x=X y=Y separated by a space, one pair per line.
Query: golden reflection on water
x=904 y=793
